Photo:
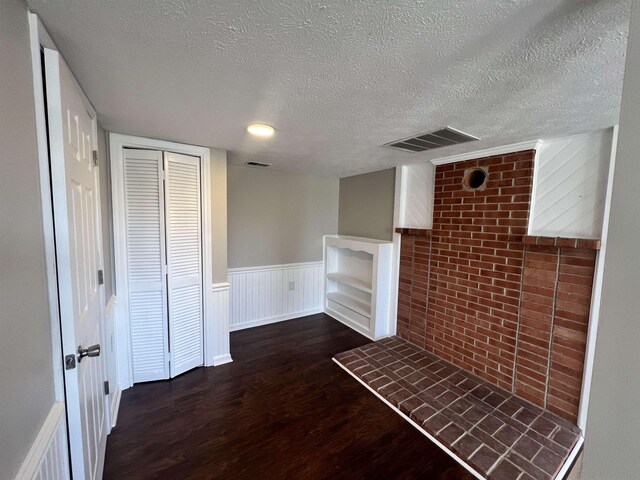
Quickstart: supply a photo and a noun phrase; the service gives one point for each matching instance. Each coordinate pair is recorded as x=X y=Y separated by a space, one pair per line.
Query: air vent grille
x=258 y=164
x=429 y=141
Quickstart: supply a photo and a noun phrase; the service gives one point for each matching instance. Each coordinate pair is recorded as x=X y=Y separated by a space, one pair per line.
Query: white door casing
x=76 y=215
x=214 y=347
x=184 y=261
x=145 y=237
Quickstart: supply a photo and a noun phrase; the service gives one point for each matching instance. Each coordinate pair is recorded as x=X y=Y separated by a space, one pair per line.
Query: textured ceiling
x=340 y=78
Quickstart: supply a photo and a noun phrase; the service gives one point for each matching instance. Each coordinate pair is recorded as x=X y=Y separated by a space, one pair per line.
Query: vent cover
x=429 y=141
x=258 y=164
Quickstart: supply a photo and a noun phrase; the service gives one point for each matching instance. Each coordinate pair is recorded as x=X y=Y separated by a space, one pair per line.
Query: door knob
x=92 y=351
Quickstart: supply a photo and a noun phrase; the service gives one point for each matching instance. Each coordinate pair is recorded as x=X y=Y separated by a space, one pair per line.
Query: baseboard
x=222 y=359
x=48 y=456
x=115 y=405
x=279 y=318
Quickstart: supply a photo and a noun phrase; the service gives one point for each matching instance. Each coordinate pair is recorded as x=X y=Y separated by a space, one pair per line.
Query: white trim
x=277 y=319
x=222 y=359
x=284 y=266
x=534 y=187
x=395 y=255
x=420 y=429
x=596 y=296
x=115 y=405
x=110 y=306
x=39 y=37
x=216 y=287
x=489 y=152
x=570 y=459
x=50 y=445
x=117 y=142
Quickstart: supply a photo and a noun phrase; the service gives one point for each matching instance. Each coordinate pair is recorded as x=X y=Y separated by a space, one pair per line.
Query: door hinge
x=70 y=362
x=95 y=158
x=106 y=387
x=100 y=277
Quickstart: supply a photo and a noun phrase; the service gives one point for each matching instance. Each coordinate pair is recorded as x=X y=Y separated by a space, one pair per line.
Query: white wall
x=613 y=421
x=570 y=185
x=26 y=378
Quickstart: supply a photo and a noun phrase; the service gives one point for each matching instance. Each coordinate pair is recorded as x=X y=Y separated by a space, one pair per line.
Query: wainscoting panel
x=570 y=186
x=219 y=334
x=416 y=195
x=268 y=294
x=48 y=457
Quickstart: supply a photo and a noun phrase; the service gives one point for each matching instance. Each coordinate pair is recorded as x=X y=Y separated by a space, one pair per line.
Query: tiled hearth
x=498 y=434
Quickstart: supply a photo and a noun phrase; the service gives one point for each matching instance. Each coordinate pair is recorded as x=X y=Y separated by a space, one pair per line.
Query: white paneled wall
x=570 y=183
x=416 y=195
x=267 y=294
x=219 y=334
x=48 y=457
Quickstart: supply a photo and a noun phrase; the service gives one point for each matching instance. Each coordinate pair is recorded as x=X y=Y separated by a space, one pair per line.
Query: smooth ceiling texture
x=340 y=78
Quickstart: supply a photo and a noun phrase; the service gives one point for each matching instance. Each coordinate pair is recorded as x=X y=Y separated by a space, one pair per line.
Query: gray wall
x=26 y=376
x=613 y=421
x=277 y=217
x=219 y=214
x=366 y=205
x=106 y=214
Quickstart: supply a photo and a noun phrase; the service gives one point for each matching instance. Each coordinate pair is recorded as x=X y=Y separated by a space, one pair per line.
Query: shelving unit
x=358 y=283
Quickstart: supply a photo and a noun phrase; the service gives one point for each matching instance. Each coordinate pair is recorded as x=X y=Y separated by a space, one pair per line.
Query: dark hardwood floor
x=281 y=410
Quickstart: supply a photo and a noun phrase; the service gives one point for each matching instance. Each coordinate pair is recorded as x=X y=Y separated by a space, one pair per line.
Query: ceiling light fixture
x=262 y=131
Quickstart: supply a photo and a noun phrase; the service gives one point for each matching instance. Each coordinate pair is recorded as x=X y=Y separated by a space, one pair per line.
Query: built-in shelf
x=358 y=283
x=350 y=280
x=355 y=304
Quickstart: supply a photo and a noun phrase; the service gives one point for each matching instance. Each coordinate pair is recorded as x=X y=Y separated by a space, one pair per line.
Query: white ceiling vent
x=428 y=141
x=258 y=164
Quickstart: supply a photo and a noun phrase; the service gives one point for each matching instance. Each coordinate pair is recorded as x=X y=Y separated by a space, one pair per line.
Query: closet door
x=184 y=261
x=144 y=200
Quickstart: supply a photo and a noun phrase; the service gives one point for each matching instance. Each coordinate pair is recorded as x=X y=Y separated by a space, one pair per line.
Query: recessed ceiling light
x=263 y=131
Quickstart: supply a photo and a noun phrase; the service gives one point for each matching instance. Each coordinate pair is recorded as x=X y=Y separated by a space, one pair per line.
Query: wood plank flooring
x=281 y=410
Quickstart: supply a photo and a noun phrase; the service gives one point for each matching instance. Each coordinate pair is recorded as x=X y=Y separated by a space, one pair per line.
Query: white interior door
x=76 y=217
x=184 y=261
x=146 y=265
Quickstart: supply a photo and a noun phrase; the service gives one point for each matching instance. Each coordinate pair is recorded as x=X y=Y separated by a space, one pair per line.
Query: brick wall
x=474 y=295
x=556 y=298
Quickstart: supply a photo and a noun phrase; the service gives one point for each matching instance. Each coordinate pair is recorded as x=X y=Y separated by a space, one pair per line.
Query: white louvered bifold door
x=144 y=201
x=184 y=260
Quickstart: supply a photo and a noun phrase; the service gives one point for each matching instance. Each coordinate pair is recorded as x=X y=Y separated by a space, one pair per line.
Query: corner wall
x=613 y=421
x=26 y=379
x=366 y=205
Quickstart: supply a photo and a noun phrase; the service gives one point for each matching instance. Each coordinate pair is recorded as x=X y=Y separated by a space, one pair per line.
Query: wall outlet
x=292 y=286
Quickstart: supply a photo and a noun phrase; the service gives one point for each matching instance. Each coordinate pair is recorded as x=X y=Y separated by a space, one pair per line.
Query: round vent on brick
x=475 y=178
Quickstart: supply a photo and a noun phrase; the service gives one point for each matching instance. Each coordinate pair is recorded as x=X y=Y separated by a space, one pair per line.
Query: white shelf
x=350 y=280
x=355 y=304
x=358 y=283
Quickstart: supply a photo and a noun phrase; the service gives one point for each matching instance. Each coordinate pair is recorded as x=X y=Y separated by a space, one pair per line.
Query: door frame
x=117 y=142
x=39 y=39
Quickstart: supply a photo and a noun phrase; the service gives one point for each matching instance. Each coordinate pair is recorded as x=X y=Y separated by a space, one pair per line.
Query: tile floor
x=498 y=434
